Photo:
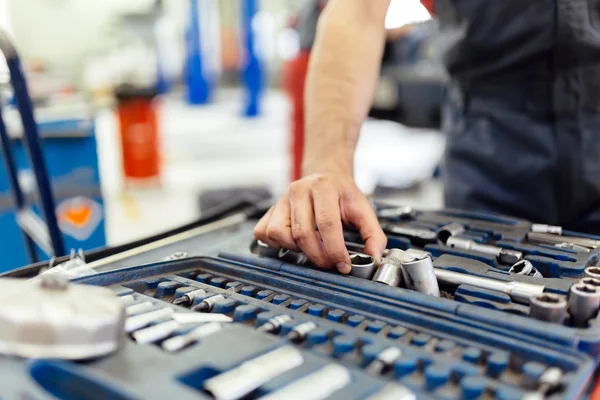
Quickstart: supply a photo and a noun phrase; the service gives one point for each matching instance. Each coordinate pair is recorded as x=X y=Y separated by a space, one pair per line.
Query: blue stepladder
x=252 y=69
x=46 y=235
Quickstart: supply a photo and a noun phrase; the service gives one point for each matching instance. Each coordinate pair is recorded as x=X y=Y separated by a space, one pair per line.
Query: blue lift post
x=198 y=87
x=252 y=73
x=33 y=146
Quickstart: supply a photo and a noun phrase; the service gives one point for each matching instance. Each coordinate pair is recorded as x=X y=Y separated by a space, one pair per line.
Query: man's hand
x=327 y=202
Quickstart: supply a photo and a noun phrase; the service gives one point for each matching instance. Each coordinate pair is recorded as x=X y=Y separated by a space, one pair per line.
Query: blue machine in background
x=199 y=80
x=198 y=87
x=74 y=219
x=252 y=71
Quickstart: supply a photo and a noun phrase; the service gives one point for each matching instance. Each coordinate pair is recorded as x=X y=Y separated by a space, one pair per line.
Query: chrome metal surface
x=584 y=301
x=363 y=265
x=518 y=291
x=548 y=307
x=59 y=320
x=419 y=275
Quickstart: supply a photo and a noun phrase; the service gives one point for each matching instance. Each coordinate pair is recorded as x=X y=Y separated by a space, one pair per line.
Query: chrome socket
x=419 y=275
x=526 y=268
x=592 y=272
x=390 y=270
x=548 y=307
x=584 y=301
x=363 y=265
x=448 y=231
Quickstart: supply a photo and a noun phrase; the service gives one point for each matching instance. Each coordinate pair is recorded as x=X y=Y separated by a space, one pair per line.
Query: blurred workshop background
x=151 y=111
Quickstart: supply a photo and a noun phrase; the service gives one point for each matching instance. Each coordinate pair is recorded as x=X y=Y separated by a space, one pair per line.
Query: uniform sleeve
x=429 y=5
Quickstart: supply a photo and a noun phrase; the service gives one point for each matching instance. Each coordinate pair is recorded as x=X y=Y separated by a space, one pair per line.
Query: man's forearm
x=343 y=72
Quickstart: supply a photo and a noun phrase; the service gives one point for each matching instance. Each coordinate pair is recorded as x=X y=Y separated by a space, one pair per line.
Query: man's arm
x=342 y=76
x=343 y=72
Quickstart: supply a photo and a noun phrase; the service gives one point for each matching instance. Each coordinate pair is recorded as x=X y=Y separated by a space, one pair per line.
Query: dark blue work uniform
x=523 y=116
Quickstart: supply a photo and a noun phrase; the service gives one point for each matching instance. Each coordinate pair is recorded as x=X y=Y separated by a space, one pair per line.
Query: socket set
x=260 y=323
x=371 y=345
x=479 y=260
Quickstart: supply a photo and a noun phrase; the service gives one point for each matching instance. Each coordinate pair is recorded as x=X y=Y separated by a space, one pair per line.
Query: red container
x=139 y=133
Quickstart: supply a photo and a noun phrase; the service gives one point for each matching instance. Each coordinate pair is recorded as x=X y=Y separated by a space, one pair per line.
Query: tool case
x=472 y=343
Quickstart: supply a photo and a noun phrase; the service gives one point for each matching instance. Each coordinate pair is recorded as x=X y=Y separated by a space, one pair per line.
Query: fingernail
x=343 y=268
x=377 y=258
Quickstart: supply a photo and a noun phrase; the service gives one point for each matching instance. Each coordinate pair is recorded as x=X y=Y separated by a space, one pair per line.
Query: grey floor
x=213 y=146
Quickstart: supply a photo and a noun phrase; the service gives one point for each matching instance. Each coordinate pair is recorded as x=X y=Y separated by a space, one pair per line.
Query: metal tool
x=549 y=238
x=292 y=257
x=584 y=301
x=525 y=267
x=188 y=298
x=155 y=332
x=363 y=265
x=448 y=231
x=199 y=318
x=419 y=236
x=592 y=272
x=299 y=332
x=383 y=361
x=273 y=324
x=419 y=275
x=505 y=256
x=478 y=268
x=571 y=246
x=548 y=382
x=393 y=391
x=177 y=343
x=74 y=267
x=240 y=381
x=142 y=320
x=264 y=250
x=548 y=307
x=390 y=270
x=402 y=212
x=235 y=287
x=139 y=308
x=518 y=291
x=51 y=318
x=318 y=385
x=207 y=304
x=590 y=281
x=542 y=228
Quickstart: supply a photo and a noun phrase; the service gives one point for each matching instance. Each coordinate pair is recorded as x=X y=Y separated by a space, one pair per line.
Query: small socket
x=591 y=281
x=548 y=307
x=592 y=272
x=363 y=265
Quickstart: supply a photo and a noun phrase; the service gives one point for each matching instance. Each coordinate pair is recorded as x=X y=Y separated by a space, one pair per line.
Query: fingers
x=260 y=230
x=363 y=217
x=303 y=225
x=279 y=228
x=328 y=219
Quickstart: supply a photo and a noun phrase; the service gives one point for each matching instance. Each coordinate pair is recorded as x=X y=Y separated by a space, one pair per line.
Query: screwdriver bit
x=383 y=361
x=188 y=298
x=299 y=332
x=207 y=304
x=273 y=325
